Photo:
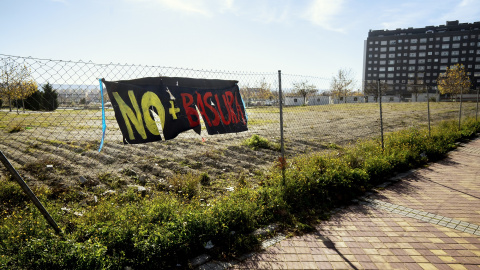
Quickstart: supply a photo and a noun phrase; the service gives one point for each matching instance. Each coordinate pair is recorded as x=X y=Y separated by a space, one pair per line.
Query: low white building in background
x=348 y=99
x=294 y=101
x=324 y=100
x=385 y=99
x=422 y=97
x=299 y=100
x=318 y=100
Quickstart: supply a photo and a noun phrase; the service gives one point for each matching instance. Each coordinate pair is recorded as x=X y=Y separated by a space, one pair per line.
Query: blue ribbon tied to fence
x=104 y=125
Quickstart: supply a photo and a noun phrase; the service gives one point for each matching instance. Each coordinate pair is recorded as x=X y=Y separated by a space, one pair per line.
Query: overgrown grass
x=257 y=142
x=162 y=230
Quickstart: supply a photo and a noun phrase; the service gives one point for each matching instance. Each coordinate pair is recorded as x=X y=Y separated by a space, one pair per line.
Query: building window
x=384 y=42
x=295 y=100
x=421 y=68
x=444 y=60
x=411 y=75
x=413 y=47
x=383 y=55
x=444 y=54
x=383 y=49
x=413 y=40
x=423 y=40
x=421 y=61
x=456 y=38
x=383 y=62
x=445 y=46
x=391 y=62
x=413 y=54
x=443 y=67
x=390 y=75
x=422 y=54
x=412 y=61
x=477 y=66
x=392 y=49
x=445 y=39
x=454 y=60
x=381 y=75
x=456 y=45
x=430 y=53
x=393 y=42
x=381 y=69
x=411 y=68
x=391 y=68
x=422 y=47
x=392 y=55
x=455 y=52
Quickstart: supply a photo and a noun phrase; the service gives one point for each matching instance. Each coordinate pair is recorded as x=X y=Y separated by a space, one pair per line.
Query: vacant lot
x=69 y=140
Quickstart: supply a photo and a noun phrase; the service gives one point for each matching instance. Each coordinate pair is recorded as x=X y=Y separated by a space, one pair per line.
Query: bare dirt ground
x=60 y=149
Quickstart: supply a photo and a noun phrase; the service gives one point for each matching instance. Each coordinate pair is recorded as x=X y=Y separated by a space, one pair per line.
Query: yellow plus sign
x=173 y=111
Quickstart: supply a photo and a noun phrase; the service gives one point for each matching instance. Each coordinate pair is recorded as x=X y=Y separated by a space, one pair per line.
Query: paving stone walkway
x=428 y=219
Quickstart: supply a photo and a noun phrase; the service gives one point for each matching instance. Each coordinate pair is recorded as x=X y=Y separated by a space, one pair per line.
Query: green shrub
x=258 y=142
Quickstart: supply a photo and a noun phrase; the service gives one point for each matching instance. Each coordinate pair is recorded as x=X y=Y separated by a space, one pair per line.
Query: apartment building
x=412 y=57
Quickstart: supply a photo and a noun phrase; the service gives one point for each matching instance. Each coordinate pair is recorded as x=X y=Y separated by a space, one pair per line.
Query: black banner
x=177 y=102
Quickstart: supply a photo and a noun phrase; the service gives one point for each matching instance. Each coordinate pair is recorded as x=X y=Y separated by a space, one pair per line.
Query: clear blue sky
x=307 y=37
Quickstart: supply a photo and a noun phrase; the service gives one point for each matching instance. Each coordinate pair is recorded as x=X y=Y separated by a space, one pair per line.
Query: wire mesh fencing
x=58 y=145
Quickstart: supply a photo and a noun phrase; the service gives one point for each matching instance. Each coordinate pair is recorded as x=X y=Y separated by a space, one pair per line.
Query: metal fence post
x=29 y=193
x=460 y=111
x=428 y=110
x=476 y=112
x=280 y=102
x=381 y=113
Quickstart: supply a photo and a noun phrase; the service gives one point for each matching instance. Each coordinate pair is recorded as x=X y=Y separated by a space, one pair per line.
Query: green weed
x=258 y=142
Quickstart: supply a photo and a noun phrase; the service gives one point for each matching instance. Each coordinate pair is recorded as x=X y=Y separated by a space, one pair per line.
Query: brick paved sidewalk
x=427 y=220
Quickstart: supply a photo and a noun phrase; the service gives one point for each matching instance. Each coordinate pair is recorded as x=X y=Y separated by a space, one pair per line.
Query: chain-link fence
x=59 y=147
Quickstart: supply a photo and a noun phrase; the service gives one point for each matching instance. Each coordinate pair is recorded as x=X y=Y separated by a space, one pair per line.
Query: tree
x=34 y=102
x=25 y=90
x=261 y=92
x=16 y=82
x=454 y=80
x=371 y=88
x=304 y=89
x=416 y=87
x=50 y=98
x=343 y=84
